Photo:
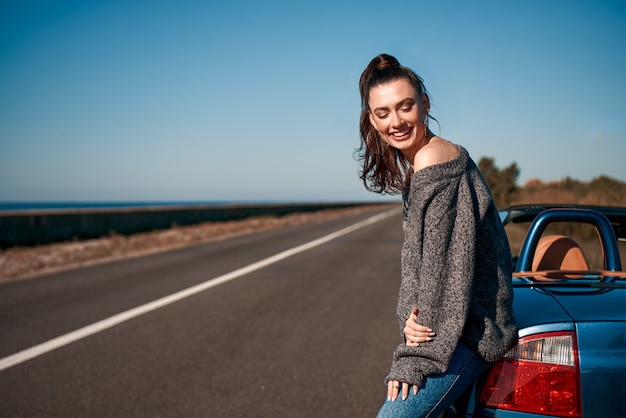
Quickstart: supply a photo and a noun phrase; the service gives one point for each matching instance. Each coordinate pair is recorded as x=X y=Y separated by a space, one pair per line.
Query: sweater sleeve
x=443 y=272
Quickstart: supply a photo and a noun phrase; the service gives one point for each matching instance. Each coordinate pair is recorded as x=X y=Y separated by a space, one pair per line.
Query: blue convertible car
x=570 y=306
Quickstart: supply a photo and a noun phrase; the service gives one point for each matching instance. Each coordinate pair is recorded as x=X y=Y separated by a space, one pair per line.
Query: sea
x=30 y=206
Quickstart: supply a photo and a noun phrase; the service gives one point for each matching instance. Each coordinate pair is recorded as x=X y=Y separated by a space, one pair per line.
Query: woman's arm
x=445 y=274
x=414 y=334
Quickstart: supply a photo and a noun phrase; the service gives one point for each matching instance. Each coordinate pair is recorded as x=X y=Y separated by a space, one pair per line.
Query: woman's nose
x=396 y=120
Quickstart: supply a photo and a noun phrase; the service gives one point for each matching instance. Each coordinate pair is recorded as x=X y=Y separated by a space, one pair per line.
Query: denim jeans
x=438 y=392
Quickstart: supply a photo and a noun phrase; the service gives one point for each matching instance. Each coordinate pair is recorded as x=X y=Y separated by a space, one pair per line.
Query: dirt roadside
x=22 y=263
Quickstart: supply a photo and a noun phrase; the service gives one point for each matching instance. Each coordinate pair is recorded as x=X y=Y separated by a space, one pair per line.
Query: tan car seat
x=559 y=252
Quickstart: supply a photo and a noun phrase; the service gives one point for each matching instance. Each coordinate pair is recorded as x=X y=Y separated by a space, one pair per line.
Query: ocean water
x=24 y=206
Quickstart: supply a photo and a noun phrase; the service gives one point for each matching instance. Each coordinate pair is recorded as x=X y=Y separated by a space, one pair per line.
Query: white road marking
x=114 y=320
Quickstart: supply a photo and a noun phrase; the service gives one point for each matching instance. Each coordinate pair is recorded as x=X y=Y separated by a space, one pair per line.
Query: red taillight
x=539 y=375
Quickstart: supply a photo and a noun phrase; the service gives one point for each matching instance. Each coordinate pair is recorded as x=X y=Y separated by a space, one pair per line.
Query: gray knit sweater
x=456 y=268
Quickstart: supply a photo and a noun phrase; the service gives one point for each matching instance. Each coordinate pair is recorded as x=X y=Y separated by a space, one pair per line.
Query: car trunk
x=533 y=306
x=600 y=321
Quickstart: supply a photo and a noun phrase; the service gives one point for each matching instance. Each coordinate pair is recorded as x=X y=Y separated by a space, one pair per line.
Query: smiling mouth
x=401 y=134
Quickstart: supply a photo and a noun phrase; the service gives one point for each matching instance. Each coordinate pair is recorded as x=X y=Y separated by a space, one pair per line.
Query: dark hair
x=385 y=169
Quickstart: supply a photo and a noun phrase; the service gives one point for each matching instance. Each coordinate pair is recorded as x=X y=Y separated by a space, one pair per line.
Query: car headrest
x=559 y=252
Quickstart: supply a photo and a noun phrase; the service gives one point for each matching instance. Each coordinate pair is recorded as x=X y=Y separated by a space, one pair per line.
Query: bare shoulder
x=437 y=151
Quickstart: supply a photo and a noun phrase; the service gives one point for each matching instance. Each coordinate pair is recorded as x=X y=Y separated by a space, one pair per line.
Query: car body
x=570 y=358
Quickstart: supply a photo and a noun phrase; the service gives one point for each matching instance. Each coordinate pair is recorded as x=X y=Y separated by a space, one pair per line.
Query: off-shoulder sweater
x=456 y=268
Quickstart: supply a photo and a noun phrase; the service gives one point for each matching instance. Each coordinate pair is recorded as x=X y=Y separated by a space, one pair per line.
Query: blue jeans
x=438 y=392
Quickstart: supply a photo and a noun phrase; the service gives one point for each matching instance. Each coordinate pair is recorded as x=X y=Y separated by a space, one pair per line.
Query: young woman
x=456 y=261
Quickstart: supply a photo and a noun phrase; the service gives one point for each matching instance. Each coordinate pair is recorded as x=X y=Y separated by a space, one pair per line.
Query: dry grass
x=535 y=191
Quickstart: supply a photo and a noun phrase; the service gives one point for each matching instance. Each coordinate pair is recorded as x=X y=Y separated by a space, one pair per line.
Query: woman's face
x=397 y=113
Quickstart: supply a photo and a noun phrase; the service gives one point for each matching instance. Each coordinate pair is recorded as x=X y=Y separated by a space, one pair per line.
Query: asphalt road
x=308 y=335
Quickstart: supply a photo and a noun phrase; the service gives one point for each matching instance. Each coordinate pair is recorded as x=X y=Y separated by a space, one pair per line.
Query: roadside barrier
x=25 y=228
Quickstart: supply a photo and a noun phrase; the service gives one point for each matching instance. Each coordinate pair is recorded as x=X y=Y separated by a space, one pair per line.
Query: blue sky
x=258 y=100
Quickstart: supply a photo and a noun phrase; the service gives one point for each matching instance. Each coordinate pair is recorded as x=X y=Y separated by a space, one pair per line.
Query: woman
x=456 y=261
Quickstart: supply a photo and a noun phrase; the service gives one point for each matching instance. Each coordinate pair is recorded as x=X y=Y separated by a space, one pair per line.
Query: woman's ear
x=425 y=103
x=372 y=120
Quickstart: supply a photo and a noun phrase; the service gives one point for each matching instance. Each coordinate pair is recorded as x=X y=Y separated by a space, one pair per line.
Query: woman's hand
x=393 y=390
x=415 y=333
